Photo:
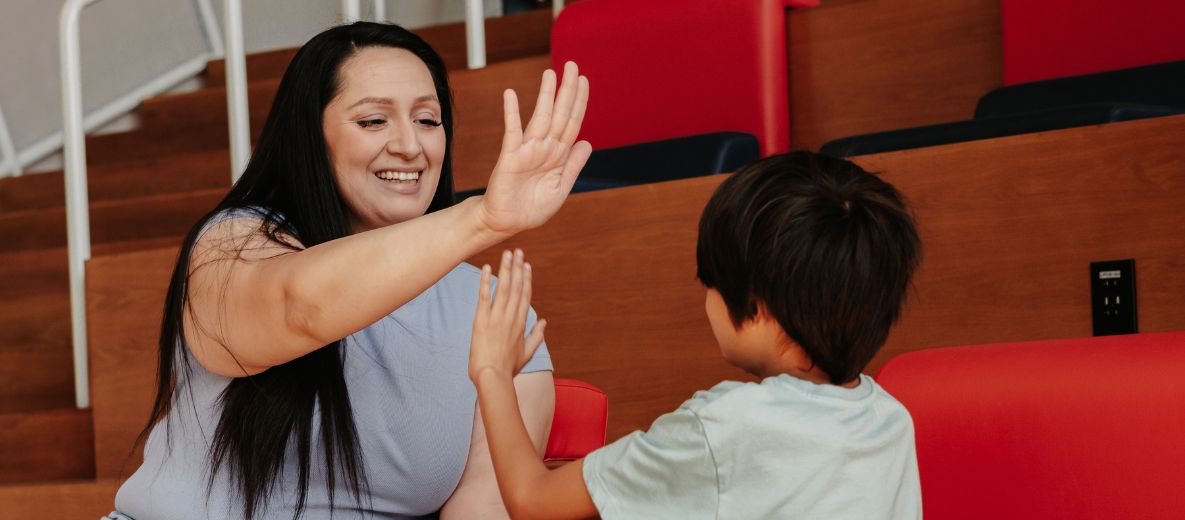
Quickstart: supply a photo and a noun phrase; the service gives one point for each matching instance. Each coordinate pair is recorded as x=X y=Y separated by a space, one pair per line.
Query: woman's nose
x=403 y=142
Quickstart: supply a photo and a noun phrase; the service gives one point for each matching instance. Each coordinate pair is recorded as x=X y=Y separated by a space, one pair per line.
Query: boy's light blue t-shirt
x=784 y=448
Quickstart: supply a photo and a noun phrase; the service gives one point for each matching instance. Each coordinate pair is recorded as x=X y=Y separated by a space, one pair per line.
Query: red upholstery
x=671 y=68
x=1089 y=428
x=581 y=414
x=1045 y=39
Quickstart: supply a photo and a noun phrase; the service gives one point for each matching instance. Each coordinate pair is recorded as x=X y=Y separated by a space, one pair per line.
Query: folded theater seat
x=1090 y=428
x=1161 y=85
x=992 y=127
x=1124 y=95
x=665 y=160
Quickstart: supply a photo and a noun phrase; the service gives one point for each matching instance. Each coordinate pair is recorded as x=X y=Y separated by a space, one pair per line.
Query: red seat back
x=581 y=415
x=671 y=68
x=1045 y=39
x=1080 y=428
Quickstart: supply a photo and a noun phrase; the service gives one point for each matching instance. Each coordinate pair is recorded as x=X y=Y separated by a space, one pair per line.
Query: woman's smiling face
x=384 y=136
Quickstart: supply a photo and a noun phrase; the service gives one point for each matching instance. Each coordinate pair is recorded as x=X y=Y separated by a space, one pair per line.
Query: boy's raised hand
x=498 y=342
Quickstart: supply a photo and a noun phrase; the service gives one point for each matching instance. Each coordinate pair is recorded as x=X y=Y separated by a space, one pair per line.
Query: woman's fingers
x=514 y=126
x=564 y=101
x=541 y=119
x=577 y=157
x=576 y=117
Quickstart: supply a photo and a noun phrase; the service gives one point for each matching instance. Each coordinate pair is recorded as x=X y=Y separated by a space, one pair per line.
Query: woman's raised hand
x=538 y=166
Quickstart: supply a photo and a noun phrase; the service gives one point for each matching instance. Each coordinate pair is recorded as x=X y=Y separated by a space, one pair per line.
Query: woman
x=325 y=307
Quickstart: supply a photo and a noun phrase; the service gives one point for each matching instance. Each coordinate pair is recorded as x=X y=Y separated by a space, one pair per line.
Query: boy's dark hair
x=827 y=247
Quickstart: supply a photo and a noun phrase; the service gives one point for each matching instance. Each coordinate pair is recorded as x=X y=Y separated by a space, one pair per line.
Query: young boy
x=806 y=260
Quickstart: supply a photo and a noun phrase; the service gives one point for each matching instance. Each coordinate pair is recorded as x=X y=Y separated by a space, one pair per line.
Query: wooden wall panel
x=859 y=66
x=125 y=299
x=478 y=121
x=1009 y=227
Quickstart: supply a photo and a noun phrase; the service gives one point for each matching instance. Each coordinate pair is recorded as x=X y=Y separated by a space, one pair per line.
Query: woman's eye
x=368 y=123
x=428 y=122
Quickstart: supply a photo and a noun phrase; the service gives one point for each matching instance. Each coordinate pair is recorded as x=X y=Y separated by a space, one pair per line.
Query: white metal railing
x=8 y=159
x=237 y=115
x=73 y=144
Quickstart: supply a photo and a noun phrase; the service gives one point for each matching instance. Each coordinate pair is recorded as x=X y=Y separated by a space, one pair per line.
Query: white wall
x=127 y=42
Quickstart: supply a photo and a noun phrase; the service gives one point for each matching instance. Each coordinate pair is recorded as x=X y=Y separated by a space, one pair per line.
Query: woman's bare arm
x=254 y=304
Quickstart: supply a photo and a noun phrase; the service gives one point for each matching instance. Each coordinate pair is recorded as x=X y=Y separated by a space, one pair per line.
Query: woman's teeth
x=401 y=177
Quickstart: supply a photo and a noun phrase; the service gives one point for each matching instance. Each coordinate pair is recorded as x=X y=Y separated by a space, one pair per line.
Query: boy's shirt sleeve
x=666 y=472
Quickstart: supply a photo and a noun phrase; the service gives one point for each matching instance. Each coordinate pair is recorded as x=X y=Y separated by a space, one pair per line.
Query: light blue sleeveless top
x=413 y=408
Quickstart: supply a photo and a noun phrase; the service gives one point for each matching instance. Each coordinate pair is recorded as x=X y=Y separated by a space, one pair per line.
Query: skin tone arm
x=477 y=494
x=254 y=304
x=529 y=489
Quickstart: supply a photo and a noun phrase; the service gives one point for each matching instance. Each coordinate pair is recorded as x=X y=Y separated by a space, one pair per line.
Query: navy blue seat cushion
x=657 y=161
x=1161 y=85
x=995 y=126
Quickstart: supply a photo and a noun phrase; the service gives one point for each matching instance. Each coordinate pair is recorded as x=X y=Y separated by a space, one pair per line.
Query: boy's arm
x=529 y=489
x=499 y=350
x=477 y=495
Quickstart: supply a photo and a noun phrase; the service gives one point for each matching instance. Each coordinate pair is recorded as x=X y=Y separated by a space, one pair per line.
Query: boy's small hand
x=498 y=343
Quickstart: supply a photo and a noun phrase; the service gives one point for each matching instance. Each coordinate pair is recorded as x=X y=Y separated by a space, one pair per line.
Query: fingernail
x=527 y=267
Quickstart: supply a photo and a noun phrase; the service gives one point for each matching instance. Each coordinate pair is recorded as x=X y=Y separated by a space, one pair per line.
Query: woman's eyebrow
x=389 y=101
x=374 y=100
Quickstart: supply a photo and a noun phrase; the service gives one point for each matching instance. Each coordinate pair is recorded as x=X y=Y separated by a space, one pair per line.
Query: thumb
x=534 y=339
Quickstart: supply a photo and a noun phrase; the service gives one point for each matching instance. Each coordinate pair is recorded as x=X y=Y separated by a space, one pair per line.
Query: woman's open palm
x=538 y=166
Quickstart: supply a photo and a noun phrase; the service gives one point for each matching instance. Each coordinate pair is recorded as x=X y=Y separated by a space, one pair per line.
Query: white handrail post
x=10 y=163
x=351 y=11
x=556 y=7
x=475 y=33
x=77 y=204
x=236 y=90
x=378 y=10
x=210 y=28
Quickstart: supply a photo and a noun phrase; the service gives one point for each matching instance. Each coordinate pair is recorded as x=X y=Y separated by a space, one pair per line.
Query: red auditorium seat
x=671 y=68
x=1090 y=428
x=1045 y=39
x=578 y=426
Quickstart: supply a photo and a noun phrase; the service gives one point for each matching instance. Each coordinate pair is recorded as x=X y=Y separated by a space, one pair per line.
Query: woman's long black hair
x=290 y=177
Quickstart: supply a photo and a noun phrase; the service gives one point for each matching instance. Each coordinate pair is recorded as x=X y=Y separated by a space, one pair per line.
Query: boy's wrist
x=491 y=375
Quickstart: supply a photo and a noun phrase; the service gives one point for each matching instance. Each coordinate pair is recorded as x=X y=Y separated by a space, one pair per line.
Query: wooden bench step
x=111 y=221
x=507 y=37
x=46 y=445
x=36 y=365
x=38 y=378
x=123 y=179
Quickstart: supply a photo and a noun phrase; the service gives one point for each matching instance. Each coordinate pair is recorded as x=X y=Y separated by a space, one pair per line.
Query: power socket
x=1113 y=297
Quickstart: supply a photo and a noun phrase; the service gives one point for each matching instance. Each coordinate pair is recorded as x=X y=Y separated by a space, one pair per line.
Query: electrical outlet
x=1113 y=297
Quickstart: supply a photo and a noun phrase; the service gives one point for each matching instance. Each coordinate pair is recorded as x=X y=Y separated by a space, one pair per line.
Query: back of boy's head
x=827 y=247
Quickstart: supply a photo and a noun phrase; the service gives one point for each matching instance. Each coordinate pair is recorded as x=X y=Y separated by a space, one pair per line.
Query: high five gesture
x=538 y=165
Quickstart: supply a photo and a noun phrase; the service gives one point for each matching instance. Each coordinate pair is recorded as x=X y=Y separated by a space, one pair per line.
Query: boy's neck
x=793 y=361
